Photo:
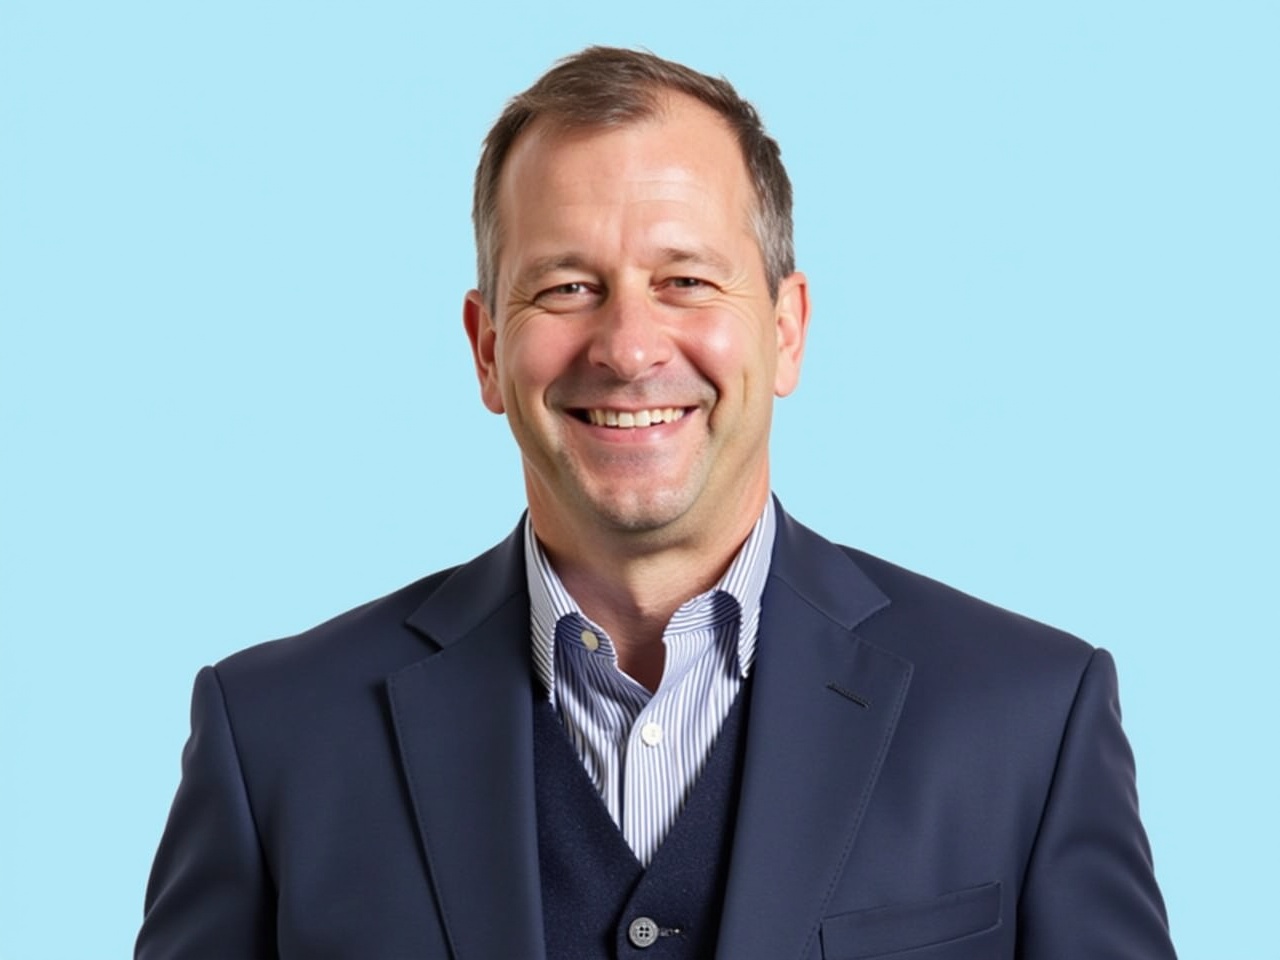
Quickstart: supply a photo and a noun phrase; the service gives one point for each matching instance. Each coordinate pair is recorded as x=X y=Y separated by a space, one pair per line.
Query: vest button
x=642 y=932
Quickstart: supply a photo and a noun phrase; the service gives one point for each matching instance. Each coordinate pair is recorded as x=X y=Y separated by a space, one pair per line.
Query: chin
x=645 y=512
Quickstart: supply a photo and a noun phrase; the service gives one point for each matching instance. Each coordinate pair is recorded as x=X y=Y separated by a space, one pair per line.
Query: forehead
x=684 y=153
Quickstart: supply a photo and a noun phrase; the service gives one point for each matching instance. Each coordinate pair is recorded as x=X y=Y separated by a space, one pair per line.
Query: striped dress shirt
x=644 y=751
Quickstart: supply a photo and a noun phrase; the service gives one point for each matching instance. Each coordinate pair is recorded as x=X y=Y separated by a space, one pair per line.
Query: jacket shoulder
x=926 y=617
x=372 y=637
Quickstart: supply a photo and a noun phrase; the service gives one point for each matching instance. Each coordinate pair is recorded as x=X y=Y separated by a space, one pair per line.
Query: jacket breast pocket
x=879 y=931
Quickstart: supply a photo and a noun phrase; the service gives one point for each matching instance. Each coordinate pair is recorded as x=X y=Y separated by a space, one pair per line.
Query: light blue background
x=1043 y=245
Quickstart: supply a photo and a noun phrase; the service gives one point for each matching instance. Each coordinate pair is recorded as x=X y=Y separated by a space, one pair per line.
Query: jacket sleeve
x=1090 y=892
x=209 y=895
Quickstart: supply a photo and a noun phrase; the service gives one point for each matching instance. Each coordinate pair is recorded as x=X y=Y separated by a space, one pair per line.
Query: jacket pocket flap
x=888 y=929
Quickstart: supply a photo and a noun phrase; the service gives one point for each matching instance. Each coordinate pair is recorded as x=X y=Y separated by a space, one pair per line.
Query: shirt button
x=590 y=640
x=642 y=932
x=651 y=734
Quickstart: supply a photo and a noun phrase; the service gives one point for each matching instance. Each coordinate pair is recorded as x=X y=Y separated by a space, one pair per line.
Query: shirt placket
x=651 y=768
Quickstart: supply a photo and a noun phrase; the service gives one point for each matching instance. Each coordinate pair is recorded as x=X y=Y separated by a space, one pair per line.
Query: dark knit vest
x=598 y=903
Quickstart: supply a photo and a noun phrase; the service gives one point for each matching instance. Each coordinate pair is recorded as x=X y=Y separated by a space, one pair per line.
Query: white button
x=642 y=932
x=590 y=640
x=651 y=734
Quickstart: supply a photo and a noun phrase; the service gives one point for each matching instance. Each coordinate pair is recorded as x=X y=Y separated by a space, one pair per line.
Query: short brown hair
x=610 y=86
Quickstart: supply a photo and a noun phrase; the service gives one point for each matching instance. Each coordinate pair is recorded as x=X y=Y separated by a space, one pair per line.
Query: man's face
x=633 y=344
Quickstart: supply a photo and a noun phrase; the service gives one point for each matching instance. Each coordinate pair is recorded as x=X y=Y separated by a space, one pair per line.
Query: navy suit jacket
x=926 y=777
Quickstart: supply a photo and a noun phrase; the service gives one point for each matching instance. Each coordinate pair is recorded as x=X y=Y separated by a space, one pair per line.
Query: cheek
x=729 y=351
x=531 y=361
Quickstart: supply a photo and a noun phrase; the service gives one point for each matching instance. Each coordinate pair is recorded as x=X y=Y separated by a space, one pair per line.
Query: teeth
x=630 y=419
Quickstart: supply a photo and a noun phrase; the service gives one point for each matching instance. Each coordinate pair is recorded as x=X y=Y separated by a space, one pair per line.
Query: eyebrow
x=539 y=268
x=698 y=256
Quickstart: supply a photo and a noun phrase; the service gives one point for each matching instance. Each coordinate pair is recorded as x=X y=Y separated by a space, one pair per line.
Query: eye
x=686 y=290
x=567 y=296
x=567 y=289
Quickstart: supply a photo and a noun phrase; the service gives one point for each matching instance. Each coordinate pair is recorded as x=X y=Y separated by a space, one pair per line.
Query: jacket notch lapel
x=823 y=710
x=463 y=720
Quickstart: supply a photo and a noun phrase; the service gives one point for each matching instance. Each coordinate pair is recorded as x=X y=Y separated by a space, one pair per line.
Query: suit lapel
x=463 y=718
x=822 y=714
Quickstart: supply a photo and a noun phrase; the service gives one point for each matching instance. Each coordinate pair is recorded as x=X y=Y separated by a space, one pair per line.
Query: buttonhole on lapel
x=860 y=701
x=669 y=931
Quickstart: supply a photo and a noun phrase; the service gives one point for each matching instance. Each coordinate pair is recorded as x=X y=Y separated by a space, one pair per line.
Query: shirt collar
x=550 y=602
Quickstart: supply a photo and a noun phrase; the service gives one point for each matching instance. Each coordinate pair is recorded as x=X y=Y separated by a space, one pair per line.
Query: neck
x=631 y=586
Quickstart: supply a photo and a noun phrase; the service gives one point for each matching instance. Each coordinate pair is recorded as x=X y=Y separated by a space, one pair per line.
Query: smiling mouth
x=630 y=419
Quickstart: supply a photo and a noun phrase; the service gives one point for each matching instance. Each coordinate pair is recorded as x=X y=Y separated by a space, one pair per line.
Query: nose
x=629 y=336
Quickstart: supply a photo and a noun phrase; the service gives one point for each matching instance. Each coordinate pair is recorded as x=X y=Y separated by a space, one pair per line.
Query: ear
x=791 y=315
x=484 y=340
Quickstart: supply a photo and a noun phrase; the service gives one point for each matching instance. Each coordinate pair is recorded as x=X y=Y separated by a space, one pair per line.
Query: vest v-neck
x=594 y=889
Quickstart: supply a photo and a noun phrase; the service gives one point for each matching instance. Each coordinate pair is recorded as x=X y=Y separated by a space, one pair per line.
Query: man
x=662 y=719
